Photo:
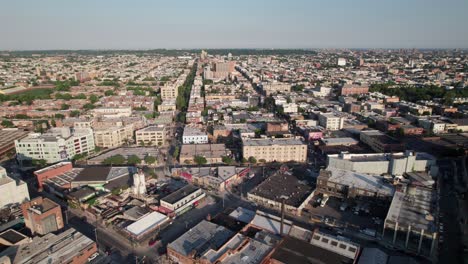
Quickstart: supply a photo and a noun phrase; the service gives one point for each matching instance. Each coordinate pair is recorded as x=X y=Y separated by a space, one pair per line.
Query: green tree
x=252 y=160
x=39 y=162
x=150 y=160
x=133 y=160
x=88 y=106
x=227 y=160
x=115 y=160
x=65 y=107
x=75 y=113
x=109 y=93
x=200 y=160
x=93 y=98
x=7 y=123
x=262 y=160
x=59 y=116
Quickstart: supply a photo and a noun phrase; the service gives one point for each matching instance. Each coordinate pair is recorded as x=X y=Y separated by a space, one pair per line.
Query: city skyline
x=53 y=25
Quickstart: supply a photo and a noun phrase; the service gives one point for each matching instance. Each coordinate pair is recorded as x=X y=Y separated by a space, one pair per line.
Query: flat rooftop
x=180 y=194
x=147 y=223
x=271 y=142
x=201 y=238
x=12 y=236
x=65 y=178
x=414 y=208
x=103 y=174
x=8 y=136
x=295 y=186
x=293 y=250
x=45 y=206
x=52 y=248
x=141 y=152
x=152 y=129
x=359 y=180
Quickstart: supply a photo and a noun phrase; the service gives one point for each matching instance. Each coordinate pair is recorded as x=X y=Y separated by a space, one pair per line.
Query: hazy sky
x=145 y=24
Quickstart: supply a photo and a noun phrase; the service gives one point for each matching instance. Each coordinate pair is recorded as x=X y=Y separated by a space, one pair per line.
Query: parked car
x=93 y=256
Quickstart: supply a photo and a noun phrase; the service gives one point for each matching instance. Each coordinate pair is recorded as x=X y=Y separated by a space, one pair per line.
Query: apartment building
x=331 y=121
x=113 y=137
x=151 y=135
x=55 y=145
x=276 y=87
x=352 y=89
x=169 y=91
x=280 y=150
x=193 y=135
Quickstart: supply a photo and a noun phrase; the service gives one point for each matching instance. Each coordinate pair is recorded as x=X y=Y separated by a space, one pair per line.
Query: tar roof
x=295 y=251
x=179 y=194
x=12 y=236
x=289 y=184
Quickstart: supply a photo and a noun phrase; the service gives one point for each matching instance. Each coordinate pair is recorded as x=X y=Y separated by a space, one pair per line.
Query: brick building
x=42 y=216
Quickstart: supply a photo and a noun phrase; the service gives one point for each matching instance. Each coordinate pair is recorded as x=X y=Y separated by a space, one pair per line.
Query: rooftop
x=180 y=194
x=414 y=208
x=50 y=248
x=201 y=238
x=291 y=184
x=12 y=236
x=359 y=180
x=293 y=250
x=271 y=141
x=146 y=223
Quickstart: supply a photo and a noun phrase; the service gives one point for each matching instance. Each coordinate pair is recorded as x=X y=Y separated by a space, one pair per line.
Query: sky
x=180 y=24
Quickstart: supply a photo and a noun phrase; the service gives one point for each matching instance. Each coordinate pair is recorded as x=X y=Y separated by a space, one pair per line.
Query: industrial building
x=151 y=136
x=42 y=216
x=289 y=186
x=380 y=142
x=70 y=246
x=146 y=224
x=382 y=163
x=182 y=200
x=348 y=184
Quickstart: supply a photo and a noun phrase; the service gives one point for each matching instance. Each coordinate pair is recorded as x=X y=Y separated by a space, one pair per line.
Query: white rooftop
x=146 y=222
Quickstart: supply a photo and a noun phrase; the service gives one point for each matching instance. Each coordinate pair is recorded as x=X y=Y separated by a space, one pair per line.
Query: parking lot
x=334 y=213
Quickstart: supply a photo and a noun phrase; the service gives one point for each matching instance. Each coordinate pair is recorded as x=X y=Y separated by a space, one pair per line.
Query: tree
x=133 y=160
x=227 y=160
x=252 y=160
x=115 y=160
x=88 y=106
x=7 y=123
x=109 y=93
x=64 y=107
x=93 y=98
x=262 y=160
x=59 y=116
x=150 y=160
x=74 y=113
x=200 y=160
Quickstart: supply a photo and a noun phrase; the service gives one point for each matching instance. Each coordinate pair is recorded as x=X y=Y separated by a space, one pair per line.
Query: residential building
x=55 y=145
x=111 y=112
x=114 y=136
x=169 y=91
x=270 y=150
x=275 y=87
x=352 y=89
x=331 y=121
x=42 y=216
x=193 y=135
x=12 y=191
x=151 y=135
